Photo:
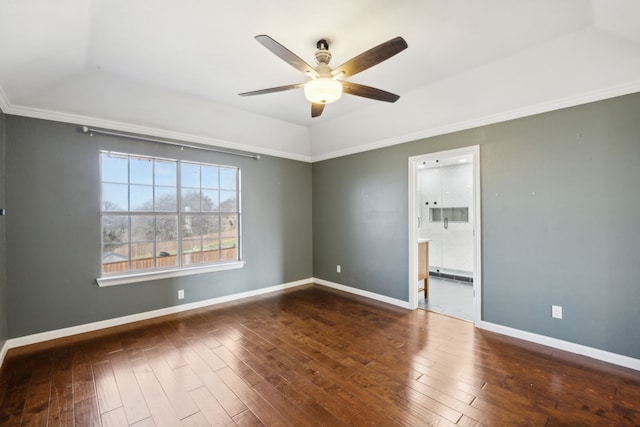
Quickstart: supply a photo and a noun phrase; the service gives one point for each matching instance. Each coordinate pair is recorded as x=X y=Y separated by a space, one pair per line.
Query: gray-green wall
x=3 y=227
x=559 y=209
x=560 y=221
x=53 y=229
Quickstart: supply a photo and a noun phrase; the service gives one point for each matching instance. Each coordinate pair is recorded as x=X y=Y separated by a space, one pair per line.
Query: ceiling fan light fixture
x=324 y=84
x=323 y=90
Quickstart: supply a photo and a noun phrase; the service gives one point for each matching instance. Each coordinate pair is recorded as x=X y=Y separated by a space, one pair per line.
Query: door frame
x=474 y=150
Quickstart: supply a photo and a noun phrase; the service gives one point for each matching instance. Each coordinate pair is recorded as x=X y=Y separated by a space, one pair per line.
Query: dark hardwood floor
x=309 y=357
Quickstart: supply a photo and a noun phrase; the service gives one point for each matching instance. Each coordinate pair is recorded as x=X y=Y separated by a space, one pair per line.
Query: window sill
x=165 y=274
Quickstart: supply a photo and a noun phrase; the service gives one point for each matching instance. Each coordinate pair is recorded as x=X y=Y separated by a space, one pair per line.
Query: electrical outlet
x=338 y=268
x=556 y=311
x=181 y=294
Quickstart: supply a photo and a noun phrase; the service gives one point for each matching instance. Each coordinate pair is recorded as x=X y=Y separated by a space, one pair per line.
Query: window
x=163 y=214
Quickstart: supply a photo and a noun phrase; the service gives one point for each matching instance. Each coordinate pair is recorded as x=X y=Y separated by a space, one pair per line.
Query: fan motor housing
x=323 y=56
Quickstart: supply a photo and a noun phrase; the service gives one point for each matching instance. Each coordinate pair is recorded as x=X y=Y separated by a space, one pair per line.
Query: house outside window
x=164 y=214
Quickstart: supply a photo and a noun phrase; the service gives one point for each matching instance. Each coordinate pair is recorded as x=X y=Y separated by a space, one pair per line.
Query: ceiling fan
x=326 y=85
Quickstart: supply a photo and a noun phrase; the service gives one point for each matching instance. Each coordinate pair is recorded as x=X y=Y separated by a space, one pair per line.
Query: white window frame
x=173 y=271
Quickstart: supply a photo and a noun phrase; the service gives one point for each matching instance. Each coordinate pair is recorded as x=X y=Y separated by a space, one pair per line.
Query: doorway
x=444 y=223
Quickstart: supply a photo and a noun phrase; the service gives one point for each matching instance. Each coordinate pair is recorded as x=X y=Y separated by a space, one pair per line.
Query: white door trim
x=413 y=227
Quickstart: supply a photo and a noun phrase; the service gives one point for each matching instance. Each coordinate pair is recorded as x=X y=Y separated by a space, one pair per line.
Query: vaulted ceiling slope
x=174 y=69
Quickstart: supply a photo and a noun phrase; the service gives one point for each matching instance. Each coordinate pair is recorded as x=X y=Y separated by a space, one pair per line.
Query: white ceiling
x=175 y=68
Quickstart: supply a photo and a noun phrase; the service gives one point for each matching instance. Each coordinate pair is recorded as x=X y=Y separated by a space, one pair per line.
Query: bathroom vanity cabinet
x=423 y=265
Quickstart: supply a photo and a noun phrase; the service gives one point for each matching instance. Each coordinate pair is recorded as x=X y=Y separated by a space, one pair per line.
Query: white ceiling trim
x=544 y=107
x=4 y=101
x=571 y=101
x=80 y=120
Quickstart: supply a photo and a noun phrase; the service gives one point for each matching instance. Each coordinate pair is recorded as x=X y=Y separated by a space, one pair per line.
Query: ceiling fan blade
x=316 y=109
x=369 y=92
x=371 y=57
x=272 y=89
x=286 y=55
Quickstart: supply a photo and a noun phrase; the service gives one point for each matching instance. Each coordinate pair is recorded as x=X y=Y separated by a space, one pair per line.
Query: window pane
x=167 y=249
x=229 y=253
x=141 y=170
x=142 y=256
x=209 y=200
x=190 y=200
x=142 y=228
x=167 y=254
x=191 y=251
x=115 y=197
x=115 y=168
x=200 y=238
x=190 y=175
x=115 y=229
x=228 y=201
x=191 y=245
x=210 y=226
x=190 y=226
x=115 y=258
x=165 y=173
x=229 y=226
x=210 y=250
x=166 y=199
x=141 y=197
x=228 y=178
x=142 y=231
x=229 y=237
x=166 y=227
x=209 y=177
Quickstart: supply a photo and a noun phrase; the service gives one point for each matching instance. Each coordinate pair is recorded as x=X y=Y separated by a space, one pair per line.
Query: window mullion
x=179 y=209
x=130 y=263
x=219 y=216
x=154 y=232
x=155 y=240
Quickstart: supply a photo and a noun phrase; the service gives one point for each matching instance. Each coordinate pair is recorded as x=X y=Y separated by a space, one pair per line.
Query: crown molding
x=78 y=119
x=4 y=101
x=544 y=107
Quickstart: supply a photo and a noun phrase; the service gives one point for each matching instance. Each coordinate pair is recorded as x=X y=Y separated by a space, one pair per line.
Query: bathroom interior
x=445 y=230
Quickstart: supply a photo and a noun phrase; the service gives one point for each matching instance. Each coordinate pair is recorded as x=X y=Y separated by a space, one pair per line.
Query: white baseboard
x=363 y=293
x=3 y=352
x=90 y=327
x=605 y=356
x=594 y=353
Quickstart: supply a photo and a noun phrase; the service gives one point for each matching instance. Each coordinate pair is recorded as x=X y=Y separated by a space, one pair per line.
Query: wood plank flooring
x=310 y=356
